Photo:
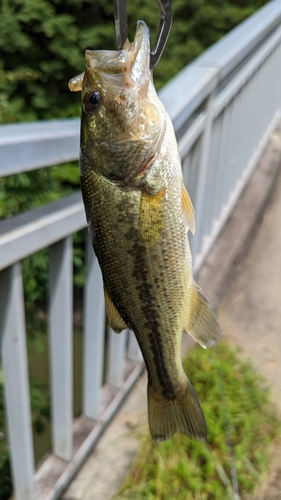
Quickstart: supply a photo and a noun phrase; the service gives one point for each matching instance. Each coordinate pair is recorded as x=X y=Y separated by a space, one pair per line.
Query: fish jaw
x=131 y=63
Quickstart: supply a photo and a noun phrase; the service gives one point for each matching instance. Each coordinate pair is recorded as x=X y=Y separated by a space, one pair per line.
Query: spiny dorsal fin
x=187 y=210
x=202 y=323
x=114 y=319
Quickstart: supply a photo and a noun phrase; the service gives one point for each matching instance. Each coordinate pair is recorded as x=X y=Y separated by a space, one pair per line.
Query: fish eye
x=91 y=101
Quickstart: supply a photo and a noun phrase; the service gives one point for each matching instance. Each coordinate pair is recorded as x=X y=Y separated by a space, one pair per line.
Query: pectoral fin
x=187 y=210
x=151 y=218
x=113 y=316
x=202 y=323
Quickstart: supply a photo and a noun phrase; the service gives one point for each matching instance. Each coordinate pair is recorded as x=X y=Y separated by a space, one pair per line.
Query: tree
x=42 y=45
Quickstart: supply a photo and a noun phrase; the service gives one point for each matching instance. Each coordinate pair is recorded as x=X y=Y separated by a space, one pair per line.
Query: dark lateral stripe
x=159 y=360
x=150 y=312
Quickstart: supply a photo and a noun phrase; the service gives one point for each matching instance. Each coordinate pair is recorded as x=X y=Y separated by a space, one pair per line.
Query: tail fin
x=166 y=417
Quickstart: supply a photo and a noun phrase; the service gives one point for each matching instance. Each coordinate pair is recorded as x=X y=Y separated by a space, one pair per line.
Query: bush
x=42 y=46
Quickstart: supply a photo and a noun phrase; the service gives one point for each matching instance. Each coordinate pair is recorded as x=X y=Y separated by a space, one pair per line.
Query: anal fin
x=202 y=323
x=114 y=319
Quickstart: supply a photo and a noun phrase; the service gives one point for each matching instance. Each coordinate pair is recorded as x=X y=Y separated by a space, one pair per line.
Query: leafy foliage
x=197 y=24
x=45 y=50
x=26 y=191
x=42 y=46
x=236 y=404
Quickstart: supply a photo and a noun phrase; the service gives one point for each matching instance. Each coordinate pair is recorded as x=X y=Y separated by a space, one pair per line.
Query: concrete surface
x=107 y=465
x=250 y=316
x=242 y=277
x=250 y=311
x=235 y=238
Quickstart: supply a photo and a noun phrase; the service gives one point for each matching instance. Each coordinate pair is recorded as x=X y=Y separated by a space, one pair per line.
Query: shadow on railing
x=224 y=106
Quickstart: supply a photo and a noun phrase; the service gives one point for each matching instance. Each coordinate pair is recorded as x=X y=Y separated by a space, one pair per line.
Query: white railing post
x=16 y=385
x=201 y=188
x=61 y=346
x=94 y=331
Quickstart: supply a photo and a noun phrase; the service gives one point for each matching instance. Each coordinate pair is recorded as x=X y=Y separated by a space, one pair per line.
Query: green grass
x=235 y=401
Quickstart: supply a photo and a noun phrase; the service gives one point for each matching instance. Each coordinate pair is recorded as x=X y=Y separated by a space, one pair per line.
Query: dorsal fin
x=202 y=323
x=187 y=210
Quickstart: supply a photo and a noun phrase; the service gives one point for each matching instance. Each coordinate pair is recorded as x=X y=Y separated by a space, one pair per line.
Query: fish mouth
x=129 y=66
x=140 y=69
x=132 y=62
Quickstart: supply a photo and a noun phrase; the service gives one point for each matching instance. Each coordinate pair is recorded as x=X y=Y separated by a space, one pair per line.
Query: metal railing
x=224 y=107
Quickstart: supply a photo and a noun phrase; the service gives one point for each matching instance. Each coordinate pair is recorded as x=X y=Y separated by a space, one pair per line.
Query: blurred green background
x=42 y=45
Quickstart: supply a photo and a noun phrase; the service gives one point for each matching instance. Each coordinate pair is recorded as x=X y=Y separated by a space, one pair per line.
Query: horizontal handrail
x=193 y=84
x=27 y=233
x=235 y=47
x=28 y=146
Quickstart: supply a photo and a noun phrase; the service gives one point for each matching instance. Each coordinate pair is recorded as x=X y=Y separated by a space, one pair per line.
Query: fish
x=139 y=213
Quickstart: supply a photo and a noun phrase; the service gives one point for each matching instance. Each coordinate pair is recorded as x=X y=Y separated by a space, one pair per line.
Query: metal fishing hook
x=121 y=27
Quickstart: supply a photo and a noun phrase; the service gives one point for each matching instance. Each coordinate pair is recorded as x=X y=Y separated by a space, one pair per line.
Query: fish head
x=122 y=118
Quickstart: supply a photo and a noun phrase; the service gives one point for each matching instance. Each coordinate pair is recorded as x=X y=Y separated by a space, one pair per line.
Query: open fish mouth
x=132 y=63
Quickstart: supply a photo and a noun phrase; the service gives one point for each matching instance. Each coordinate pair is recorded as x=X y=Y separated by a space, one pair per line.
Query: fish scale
x=139 y=214
x=130 y=274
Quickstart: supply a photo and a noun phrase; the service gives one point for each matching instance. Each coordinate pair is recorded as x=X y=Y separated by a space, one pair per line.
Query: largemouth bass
x=138 y=214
